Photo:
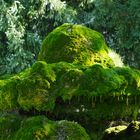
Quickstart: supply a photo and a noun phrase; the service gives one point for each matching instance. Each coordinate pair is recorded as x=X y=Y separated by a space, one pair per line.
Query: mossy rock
x=77 y=79
x=76 y=44
x=49 y=87
x=39 y=128
x=130 y=132
x=84 y=87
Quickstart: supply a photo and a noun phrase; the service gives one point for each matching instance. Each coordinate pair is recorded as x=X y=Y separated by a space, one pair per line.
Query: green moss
x=116 y=129
x=34 y=128
x=132 y=78
x=9 y=124
x=39 y=128
x=103 y=81
x=70 y=84
x=76 y=78
x=41 y=86
x=130 y=132
x=71 y=131
x=75 y=44
x=46 y=129
x=8 y=93
x=34 y=89
x=29 y=89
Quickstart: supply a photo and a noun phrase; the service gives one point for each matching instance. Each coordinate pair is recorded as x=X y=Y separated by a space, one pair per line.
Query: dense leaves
x=119 y=20
x=23 y=25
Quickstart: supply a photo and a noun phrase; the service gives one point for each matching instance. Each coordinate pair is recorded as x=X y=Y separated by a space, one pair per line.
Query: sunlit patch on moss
x=130 y=132
x=116 y=58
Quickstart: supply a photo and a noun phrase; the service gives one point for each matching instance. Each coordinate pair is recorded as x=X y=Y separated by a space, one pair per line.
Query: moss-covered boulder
x=76 y=44
x=130 y=132
x=63 y=88
x=15 y=127
x=77 y=79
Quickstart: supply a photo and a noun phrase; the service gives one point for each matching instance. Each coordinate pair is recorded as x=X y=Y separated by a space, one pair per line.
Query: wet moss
x=8 y=93
x=28 y=89
x=13 y=127
x=87 y=111
x=70 y=131
x=76 y=79
x=38 y=127
x=103 y=81
x=40 y=87
x=132 y=77
x=75 y=44
x=33 y=90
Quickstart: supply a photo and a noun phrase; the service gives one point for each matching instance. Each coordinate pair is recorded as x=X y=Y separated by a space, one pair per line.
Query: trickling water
x=118 y=98
x=127 y=101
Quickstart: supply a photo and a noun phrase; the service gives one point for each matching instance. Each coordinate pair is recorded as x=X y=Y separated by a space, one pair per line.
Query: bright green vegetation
x=13 y=127
x=75 y=78
x=95 y=88
x=130 y=132
x=22 y=31
x=75 y=44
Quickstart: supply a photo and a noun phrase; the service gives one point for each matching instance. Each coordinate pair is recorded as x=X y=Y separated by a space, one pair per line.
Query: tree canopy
x=24 y=23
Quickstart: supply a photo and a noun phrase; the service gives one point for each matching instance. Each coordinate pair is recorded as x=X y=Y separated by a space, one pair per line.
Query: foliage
x=23 y=25
x=16 y=57
x=119 y=21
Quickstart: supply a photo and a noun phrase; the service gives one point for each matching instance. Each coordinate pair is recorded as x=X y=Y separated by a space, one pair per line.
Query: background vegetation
x=25 y=23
